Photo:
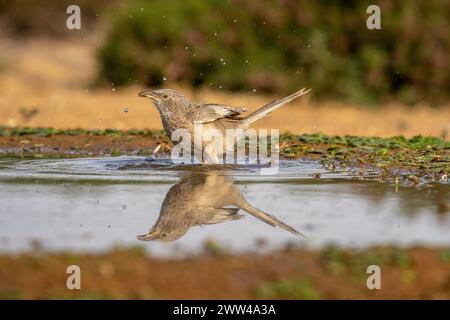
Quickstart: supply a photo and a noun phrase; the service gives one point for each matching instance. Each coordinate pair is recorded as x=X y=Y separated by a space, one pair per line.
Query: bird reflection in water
x=203 y=198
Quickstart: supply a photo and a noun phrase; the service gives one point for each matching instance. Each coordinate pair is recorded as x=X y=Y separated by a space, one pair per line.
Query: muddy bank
x=78 y=143
x=397 y=156
x=293 y=273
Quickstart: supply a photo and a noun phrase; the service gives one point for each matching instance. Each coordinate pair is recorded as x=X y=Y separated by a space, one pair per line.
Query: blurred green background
x=274 y=46
x=281 y=45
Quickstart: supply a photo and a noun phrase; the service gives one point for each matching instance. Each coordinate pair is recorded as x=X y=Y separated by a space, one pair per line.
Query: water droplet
x=254 y=90
x=113 y=89
x=164 y=78
x=124 y=207
x=309 y=46
x=125 y=109
x=186 y=48
x=142 y=9
x=215 y=34
x=234 y=20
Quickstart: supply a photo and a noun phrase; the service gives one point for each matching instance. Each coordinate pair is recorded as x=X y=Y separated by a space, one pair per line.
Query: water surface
x=94 y=204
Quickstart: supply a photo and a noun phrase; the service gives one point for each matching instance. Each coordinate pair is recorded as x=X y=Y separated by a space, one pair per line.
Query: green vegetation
x=394 y=157
x=288 y=289
x=213 y=247
x=280 y=46
x=10 y=294
x=47 y=132
x=419 y=153
x=416 y=142
x=28 y=113
x=445 y=255
x=48 y=17
x=338 y=260
x=116 y=152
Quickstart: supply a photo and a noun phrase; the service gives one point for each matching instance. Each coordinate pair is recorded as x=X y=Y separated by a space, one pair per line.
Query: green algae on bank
x=419 y=155
x=47 y=132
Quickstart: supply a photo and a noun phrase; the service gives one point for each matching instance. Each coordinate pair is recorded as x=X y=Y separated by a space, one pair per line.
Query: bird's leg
x=211 y=154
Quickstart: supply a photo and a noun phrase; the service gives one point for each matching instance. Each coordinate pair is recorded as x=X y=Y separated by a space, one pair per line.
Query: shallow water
x=93 y=204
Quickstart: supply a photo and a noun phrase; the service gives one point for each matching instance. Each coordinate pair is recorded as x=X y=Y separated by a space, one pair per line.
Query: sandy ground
x=46 y=82
x=418 y=273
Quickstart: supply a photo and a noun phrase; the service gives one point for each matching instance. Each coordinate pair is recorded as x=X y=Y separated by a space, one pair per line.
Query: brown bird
x=178 y=112
x=203 y=198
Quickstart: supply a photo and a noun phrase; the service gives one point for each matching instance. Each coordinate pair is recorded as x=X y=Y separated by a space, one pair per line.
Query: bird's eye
x=165 y=96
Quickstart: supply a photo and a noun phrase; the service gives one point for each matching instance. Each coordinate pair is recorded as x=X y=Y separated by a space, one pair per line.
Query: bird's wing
x=211 y=215
x=204 y=113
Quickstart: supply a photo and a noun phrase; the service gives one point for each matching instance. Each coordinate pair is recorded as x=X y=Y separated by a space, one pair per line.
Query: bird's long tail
x=271 y=106
x=267 y=218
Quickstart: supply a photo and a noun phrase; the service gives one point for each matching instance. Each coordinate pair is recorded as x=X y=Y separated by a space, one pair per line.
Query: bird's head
x=165 y=98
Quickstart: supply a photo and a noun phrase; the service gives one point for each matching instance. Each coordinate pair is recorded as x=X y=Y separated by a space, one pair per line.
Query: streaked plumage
x=177 y=112
x=203 y=198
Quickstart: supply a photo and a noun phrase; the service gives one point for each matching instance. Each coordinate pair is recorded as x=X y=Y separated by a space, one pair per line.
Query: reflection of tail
x=267 y=218
x=268 y=108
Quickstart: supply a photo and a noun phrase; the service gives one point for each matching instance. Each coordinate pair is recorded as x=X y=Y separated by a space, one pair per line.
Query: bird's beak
x=152 y=235
x=148 y=94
